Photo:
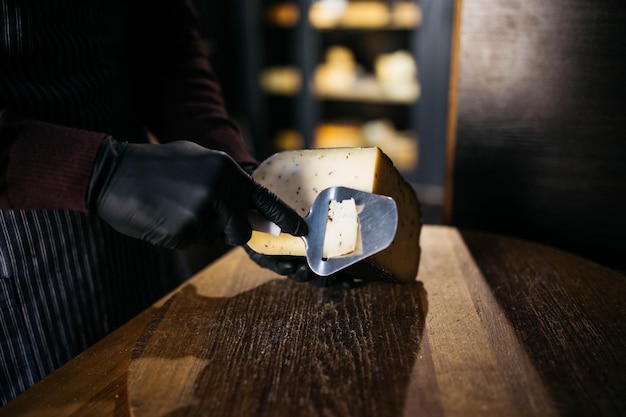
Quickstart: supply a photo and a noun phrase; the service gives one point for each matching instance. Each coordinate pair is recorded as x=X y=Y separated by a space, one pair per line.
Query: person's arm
x=178 y=93
x=169 y=195
x=44 y=166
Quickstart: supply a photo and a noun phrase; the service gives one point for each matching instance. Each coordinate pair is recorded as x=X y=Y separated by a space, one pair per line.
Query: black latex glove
x=293 y=267
x=180 y=193
x=297 y=269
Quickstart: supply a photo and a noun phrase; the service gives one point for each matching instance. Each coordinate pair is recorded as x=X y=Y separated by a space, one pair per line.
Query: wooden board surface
x=493 y=326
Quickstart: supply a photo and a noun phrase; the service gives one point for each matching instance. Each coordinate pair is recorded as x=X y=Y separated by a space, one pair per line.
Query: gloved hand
x=293 y=267
x=180 y=193
x=297 y=269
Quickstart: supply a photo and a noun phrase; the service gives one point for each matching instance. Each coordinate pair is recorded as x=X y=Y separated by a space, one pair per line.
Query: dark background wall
x=540 y=149
x=223 y=26
x=541 y=138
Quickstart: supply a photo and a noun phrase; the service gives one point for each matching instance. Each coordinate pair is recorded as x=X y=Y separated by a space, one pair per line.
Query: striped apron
x=66 y=278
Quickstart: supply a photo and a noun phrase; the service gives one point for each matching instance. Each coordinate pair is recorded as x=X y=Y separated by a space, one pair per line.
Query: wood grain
x=567 y=313
x=493 y=326
x=470 y=337
x=280 y=348
x=480 y=367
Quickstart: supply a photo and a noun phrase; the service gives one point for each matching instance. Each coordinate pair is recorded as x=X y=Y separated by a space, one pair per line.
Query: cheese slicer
x=377 y=226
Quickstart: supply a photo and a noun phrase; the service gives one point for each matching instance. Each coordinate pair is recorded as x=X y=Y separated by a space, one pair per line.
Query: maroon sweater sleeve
x=179 y=94
x=44 y=166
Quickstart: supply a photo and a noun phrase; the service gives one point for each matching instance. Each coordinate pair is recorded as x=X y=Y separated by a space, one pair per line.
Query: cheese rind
x=297 y=177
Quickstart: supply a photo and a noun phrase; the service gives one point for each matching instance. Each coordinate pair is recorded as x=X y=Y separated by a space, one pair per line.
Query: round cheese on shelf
x=366 y=14
x=407 y=14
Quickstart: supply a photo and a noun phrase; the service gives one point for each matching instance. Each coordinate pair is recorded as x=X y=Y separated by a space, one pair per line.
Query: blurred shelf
x=324 y=62
x=400 y=15
x=368 y=89
x=287 y=81
x=401 y=146
x=345 y=15
x=285 y=15
x=279 y=102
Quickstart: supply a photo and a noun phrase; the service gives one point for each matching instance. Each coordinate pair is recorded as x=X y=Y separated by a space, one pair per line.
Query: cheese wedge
x=298 y=176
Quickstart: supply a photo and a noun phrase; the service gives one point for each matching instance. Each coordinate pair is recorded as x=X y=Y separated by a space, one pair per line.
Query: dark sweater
x=74 y=71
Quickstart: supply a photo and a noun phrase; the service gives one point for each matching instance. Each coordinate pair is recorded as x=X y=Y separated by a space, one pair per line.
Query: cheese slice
x=298 y=176
x=341 y=236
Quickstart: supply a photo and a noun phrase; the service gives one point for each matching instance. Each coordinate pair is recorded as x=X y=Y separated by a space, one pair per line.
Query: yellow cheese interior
x=298 y=176
x=342 y=229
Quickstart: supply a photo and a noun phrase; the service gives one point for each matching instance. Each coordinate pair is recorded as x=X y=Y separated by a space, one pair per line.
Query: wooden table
x=493 y=326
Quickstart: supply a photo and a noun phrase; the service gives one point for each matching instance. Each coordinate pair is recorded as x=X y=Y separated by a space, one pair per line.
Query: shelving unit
x=354 y=106
x=281 y=104
x=336 y=66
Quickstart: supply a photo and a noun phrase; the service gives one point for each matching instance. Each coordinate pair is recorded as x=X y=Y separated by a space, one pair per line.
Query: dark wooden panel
x=541 y=149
